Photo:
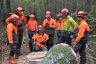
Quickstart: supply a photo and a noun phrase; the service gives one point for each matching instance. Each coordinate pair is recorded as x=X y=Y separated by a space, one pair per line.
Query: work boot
x=12 y=60
x=19 y=52
x=17 y=56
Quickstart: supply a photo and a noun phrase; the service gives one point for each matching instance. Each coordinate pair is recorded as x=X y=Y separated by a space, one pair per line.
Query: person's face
x=79 y=18
x=64 y=15
x=60 y=18
x=32 y=17
x=21 y=12
x=48 y=16
x=40 y=31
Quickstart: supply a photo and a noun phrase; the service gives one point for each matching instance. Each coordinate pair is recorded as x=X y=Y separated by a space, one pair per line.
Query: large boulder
x=60 y=54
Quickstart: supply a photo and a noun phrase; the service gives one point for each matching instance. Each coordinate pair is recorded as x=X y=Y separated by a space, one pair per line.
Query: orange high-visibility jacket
x=59 y=25
x=19 y=19
x=10 y=28
x=31 y=25
x=39 y=38
x=83 y=27
x=8 y=20
x=51 y=22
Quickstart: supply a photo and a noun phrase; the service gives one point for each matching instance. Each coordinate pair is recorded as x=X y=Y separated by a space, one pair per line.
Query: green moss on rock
x=60 y=54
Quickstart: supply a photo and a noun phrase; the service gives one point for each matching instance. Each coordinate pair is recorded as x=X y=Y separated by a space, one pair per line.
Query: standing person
x=40 y=39
x=20 y=24
x=59 y=26
x=49 y=24
x=69 y=26
x=12 y=35
x=31 y=26
x=82 y=37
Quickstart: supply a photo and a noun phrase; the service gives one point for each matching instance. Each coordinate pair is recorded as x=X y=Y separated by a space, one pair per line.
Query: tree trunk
x=1 y=10
x=8 y=6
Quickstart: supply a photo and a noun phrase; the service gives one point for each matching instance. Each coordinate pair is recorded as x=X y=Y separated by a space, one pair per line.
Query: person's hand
x=11 y=43
x=71 y=36
x=43 y=42
x=75 y=29
x=74 y=44
x=47 y=23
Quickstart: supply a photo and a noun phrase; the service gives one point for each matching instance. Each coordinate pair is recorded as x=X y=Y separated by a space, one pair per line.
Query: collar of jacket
x=81 y=21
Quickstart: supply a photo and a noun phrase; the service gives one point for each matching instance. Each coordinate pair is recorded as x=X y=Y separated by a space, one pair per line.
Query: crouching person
x=12 y=38
x=40 y=39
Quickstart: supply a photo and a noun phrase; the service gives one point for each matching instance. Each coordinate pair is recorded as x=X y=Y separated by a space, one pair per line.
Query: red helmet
x=48 y=13
x=81 y=13
x=64 y=10
x=19 y=9
x=32 y=16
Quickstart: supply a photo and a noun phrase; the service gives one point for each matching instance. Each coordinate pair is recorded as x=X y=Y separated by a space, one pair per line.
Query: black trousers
x=31 y=41
x=81 y=48
x=59 y=35
x=50 y=42
x=20 y=36
x=65 y=38
x=14 y=48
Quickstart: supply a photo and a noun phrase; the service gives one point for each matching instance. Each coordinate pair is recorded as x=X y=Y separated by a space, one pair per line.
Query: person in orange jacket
x=13 y=38
x=49 y=24
x=59 y=26
x=40 y=39
x=20 y=23
x=82 y=37
x=32 y=27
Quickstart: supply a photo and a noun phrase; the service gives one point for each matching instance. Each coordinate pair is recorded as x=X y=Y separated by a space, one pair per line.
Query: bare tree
x=8 y=6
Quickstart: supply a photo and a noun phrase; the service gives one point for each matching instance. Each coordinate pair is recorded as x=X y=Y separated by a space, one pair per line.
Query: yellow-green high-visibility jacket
x=69 y=24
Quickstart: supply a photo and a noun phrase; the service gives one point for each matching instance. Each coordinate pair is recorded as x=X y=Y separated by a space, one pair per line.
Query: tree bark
x=8 y=6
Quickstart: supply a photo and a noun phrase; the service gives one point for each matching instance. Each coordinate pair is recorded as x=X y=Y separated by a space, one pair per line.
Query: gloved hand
x=53 y=24
x=14 y=21
x=11 y=43
x=74 y=44
x=47 y=24
x=44 y=42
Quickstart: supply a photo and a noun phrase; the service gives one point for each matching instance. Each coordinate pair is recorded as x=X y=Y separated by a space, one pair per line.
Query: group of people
x=41 y=37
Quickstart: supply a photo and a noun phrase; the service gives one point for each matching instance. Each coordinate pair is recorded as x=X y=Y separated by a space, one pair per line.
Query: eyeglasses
x=32 y=17
x=20 y=10
x=79 y=16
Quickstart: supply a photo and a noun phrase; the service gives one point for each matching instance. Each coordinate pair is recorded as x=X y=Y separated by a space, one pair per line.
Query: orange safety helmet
x=64 y=11
x=19 y=9
x=81 y=14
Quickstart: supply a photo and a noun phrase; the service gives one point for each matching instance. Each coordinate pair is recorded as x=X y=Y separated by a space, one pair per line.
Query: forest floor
x=4 y=50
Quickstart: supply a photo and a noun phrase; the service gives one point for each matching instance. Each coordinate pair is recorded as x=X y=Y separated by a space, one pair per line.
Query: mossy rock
x=60 y=54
